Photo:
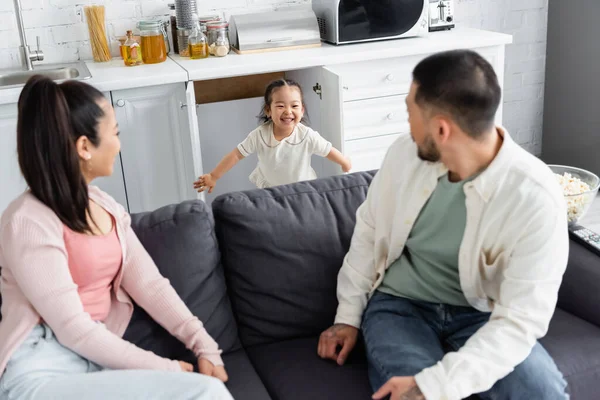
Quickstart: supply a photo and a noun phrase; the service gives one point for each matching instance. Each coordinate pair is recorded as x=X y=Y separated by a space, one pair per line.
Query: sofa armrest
x=579 y=293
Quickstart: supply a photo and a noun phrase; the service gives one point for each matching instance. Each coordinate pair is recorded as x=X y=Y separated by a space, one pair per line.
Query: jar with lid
x=153 y=36
x=218 y=38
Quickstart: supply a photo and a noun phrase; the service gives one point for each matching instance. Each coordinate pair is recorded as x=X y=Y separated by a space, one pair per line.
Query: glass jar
x=153 y=35
x=218 y=38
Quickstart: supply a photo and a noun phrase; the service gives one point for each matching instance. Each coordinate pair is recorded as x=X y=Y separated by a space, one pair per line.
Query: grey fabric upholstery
x=292 y=370
x=244 y=383
x=580 y=290
x=282 y=249
x=574 y=344
x=181 y=241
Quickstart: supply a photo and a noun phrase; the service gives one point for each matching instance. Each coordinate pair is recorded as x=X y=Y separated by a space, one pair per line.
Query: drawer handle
x=390 y=116
x=121 y=103
x=390 y=77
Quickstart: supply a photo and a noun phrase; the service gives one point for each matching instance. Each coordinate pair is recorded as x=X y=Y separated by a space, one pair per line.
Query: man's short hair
x=462 y=84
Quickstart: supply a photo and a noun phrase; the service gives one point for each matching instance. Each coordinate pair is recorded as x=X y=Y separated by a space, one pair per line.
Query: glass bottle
x=198 y=42
x=132 y=52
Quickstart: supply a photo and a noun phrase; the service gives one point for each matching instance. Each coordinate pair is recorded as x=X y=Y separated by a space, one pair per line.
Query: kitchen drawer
x=375 y=117
x=377 y=78
x=368 y=154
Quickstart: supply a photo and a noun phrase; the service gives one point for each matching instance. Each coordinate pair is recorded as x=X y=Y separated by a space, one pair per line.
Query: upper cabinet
x=12 y=183
x=155 y=145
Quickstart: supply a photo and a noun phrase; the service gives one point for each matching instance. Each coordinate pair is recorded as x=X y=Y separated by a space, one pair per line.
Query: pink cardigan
x=36 y=283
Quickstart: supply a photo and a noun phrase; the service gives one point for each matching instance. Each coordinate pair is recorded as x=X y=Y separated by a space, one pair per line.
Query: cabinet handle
x=390 y=77
x=390 y=116
x=184 y=105
x=121 y=103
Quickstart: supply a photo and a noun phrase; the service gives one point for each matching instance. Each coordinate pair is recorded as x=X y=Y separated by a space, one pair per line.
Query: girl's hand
x=186 y=367
x=347 y=165
x=207 y=368
x=206 y=181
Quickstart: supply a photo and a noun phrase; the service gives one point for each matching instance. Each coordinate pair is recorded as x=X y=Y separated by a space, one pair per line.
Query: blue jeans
x=403 y=337
x=41 y=368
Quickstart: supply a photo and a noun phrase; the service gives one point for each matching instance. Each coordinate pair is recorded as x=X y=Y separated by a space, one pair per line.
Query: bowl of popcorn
x=579 y=187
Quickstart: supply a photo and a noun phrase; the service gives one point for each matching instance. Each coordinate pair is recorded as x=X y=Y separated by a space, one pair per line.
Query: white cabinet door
x=155 y=145
x=12 y=183
x=114 y=185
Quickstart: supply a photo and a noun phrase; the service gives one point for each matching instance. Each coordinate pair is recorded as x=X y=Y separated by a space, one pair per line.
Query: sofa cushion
x=180 y=239
x=301 y=374
x=244 y=383
x=574 y=344
x=282 y=249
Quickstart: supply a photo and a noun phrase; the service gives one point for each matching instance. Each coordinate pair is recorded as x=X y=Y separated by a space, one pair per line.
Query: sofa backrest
x=181 y=241
x=282 y=249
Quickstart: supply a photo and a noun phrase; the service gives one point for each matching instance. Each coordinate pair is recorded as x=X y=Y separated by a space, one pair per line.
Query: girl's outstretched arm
x=337 y=157
x=208 y=181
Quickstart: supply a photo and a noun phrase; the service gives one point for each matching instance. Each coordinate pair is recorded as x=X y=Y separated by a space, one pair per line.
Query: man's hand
x=338 y=335
x=207 y=368
x=400 y=388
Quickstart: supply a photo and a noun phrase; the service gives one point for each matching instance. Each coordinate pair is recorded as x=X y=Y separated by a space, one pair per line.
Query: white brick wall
x=64 y=37
x=527 y=21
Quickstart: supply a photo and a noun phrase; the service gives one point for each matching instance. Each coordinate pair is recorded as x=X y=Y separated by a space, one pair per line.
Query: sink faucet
x=27 y=55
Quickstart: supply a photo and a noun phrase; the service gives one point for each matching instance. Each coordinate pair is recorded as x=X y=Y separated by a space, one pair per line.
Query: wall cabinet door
x=114 y=185
x=156 y=150
x=12 y=183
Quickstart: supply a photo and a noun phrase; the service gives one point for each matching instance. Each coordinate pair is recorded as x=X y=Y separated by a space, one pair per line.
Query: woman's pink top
x=94 y=262
x=36 y=283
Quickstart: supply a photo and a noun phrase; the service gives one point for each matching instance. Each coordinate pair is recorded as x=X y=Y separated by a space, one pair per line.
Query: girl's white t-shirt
x=288 y=161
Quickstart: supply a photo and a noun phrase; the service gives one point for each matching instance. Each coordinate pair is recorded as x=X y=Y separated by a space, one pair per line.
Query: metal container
x=182 y=41
x=184 y=11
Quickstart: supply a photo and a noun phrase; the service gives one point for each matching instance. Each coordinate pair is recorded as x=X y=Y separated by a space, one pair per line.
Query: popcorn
x=573 y=186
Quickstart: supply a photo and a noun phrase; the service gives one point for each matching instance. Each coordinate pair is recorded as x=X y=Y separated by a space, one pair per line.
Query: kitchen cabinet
x=157 y=153
x=12 y=184
x=359 y=107
x=114 y=185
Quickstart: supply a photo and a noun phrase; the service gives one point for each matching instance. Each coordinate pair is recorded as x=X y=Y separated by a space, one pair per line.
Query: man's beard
x=428 y=151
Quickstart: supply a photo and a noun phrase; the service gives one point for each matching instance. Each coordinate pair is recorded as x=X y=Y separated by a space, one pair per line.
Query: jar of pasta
x=153 y=35
x=218 y=38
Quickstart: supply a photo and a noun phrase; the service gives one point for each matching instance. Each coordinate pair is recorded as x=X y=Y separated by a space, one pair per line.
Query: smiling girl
x=284 y=145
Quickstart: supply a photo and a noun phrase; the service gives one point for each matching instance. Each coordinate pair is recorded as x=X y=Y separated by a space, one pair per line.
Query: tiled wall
x=63 y=32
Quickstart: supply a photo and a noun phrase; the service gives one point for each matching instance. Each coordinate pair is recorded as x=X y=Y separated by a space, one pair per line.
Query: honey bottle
x=132 y=51
x=197 y=41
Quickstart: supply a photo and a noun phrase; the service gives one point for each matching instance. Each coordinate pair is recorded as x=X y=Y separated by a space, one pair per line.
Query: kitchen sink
x=56 y=72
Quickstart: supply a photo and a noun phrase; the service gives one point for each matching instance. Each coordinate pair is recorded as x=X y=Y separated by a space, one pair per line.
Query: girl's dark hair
x=51 y=119
x=263 y=117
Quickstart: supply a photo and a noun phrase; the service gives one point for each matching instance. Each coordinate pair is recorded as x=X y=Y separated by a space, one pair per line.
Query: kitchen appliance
x=351 y=21
x=283 y=29
x=441 y=15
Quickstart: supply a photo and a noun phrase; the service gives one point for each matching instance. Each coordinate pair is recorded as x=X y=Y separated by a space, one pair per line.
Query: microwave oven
x=352 y=21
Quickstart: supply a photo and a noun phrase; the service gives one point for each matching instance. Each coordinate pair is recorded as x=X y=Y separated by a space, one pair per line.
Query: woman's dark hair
x=263 y=117
x=463 y=84
x=51 y=119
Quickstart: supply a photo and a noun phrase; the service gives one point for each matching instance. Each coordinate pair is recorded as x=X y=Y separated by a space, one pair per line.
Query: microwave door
x=372 y=19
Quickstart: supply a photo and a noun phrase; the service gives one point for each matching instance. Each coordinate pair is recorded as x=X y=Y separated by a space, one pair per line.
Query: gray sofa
x=262 y=275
